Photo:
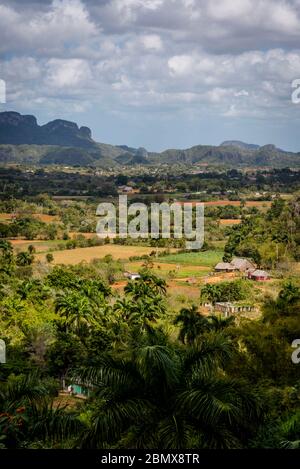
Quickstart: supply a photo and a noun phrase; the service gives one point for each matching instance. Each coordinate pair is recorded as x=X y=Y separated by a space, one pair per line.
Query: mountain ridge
x=16 y=128
x=239 y=144
x=63 y=142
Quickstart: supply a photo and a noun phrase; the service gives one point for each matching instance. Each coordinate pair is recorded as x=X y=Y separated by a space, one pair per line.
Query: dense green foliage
x=268 y=239
x=154 y=183
x=155 y=376
x=225 y=291
x=213 y=384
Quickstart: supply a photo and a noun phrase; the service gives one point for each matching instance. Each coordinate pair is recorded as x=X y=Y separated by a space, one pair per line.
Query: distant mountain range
x=16 y=129
x=62 y=142
x=239 y=144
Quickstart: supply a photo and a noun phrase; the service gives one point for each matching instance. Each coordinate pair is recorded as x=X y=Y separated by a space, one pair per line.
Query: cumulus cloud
x=152 y=42
x=233 y=59
x=69 y=73
x=46 y=31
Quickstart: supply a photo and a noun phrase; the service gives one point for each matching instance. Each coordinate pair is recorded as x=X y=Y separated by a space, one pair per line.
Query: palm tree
x=148 y=285
x=138 y=289
x=33 y=289
x=157 y=284
x=5 y=246
x=123 y=307
x=146 y=309
x=95 y=290
x=290 y=430
x=27 y=414
x=193 y=324
x=26 y=288
x=12 y=309
x=6 y=257
x=75 y=309
x=159 y=395
x=211 y=293
x=141 y=310
x=219 y=323
x=146 y=301
x=24 y=258
x=286 y=304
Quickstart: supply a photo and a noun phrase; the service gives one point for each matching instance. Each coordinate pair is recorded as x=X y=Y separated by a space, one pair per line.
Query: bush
x=49 y=257
x=226 y=291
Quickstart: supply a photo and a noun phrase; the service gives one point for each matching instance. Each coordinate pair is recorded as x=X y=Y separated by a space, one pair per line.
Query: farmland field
x=40 y=216
x=180 y=294
x=75 y=234
x=164 y=268
x=233 y=203
x=74 y=256
x=237 y=203
x=230 y=221
x=40 y=245
x=205 y=258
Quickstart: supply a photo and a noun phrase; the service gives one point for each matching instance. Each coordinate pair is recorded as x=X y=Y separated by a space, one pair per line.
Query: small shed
x=258 y=275
x=242 y=264
x=224 y=267
x=125 y=189
x=132 y=276
x=79 y=390
x=229 y=309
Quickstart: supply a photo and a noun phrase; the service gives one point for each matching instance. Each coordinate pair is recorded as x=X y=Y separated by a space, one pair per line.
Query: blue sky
x=156 y=73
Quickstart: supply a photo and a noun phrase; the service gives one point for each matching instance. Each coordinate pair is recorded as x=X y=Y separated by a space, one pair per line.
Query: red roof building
x=258 y=275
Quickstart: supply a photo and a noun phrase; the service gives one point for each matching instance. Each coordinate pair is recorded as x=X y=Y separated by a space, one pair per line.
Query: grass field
x=74 y=256
x=39 y=244
x=233 y=203
x=75 y=234
x=6 y=217
x=237 y=203
x=163 y=269
x=180 y=295
x=205 y=258
x=40 y=216
x=46 y=218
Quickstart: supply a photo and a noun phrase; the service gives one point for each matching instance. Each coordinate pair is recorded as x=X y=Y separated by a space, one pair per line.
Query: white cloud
x=181 y=65
x=67 y=73
x=241 y=93
x=66 y=21
x=152 y=42
x=231 y=58
x=229 y=10
x=284 y=18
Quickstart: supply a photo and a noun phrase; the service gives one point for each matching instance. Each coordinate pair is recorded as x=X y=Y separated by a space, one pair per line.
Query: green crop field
x=205 y=258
